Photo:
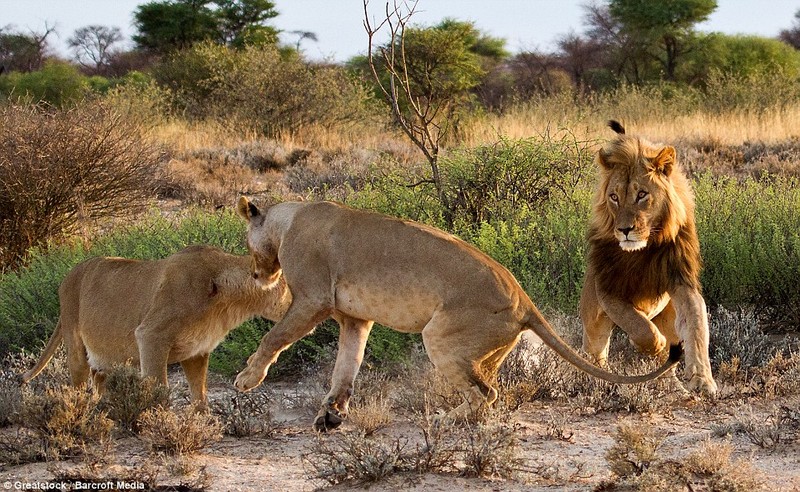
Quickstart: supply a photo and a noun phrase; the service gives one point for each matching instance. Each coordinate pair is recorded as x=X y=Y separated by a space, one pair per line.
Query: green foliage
x=57 y=83
x=661 y=16
x=496 y=181
x=442 y=64
x=663 y=28
x=212 y=81
x=719 y=55
x=241 y=22
x=750 y=244
x=544 y=248
x=171 y=25
x=167 y=26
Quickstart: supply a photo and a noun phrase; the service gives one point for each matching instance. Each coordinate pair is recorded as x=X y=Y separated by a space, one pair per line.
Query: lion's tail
x=541 y=327
x=49 y=351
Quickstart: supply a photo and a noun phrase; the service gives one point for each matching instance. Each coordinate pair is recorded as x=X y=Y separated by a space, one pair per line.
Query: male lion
x=644 y=257
x=361 y=267
x=155 y=313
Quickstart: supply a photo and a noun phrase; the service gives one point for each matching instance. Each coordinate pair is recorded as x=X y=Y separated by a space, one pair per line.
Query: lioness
x=360 y=267
x=155 y=313
x=643 y=268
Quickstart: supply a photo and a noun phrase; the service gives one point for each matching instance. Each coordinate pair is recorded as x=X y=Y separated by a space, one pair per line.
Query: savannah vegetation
x=140 y=152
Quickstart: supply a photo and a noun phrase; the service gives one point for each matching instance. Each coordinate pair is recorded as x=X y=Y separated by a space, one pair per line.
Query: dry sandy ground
x=280 y=462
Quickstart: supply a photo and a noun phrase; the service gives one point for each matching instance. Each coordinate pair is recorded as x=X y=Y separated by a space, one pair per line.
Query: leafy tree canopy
x=164 y=26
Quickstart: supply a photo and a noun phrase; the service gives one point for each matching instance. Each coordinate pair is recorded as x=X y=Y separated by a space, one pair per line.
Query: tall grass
x=730 y=110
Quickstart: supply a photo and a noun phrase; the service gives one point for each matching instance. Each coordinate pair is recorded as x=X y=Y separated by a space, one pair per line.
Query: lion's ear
x=664 y=161
x=246 y=209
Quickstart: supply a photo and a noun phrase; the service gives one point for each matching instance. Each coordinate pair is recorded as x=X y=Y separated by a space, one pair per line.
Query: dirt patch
x=558 y=445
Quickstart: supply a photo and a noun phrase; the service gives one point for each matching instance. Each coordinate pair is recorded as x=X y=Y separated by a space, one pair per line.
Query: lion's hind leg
x=353 y=334
x=467 y=357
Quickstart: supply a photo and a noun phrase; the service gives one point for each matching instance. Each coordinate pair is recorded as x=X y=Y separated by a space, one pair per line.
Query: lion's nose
x=625 y=230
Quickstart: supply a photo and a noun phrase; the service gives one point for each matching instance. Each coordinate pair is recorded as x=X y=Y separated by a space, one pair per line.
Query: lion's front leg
x=642 y=332
x=692 y=326
x=299 y=321
x=353 y=334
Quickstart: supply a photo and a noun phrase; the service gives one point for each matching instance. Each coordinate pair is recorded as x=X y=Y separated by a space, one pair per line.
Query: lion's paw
x=328 y=419
x=653 y=344
x=703 y=384
x=249 y=378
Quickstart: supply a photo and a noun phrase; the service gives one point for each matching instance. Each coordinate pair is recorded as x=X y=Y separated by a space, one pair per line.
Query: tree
x=792 y=36
x=302 y=35
x=426 y=75
x=170 y=25
x=578 y=55
x=22 y=52
x=93 y=46
x=241 y=22
x=664 y=26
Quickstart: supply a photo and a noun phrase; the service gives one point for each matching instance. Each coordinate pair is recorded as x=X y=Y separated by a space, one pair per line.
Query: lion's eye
x=640 y=196
x=614 y=197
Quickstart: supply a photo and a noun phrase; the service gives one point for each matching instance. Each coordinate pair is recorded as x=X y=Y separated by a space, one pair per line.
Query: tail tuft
x=616 y=126
x=676 y=352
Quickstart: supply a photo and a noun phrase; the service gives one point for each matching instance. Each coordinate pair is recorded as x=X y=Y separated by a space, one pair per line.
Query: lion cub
x=154 y=313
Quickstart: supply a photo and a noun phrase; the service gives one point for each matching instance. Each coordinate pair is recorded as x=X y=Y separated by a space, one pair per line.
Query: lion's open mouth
x=630 y=245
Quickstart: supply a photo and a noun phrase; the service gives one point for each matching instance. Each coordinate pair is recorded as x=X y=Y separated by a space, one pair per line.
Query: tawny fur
x=361 y=267
x=155 y=313
x=652 y=292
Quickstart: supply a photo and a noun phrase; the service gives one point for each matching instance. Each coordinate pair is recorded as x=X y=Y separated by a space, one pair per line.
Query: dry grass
x=154 y=473
x=179 y=432
x=127 y=396
x=663 y=125
x=245 y=414
x=637 y=465
x=470 y=448
x=66 y=420
x=778 y=428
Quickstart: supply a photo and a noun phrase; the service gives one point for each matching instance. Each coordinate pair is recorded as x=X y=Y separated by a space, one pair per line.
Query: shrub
x=67 y=420
x=750 y=244
x=493 y=182
x=178 y=432
x=62 y=170
x=634 y=460
x=57 y=83
x=472 y=449
x=127 y=396
x=739 y=335
x=261 y=88
x=245 y=414
x=634 y=450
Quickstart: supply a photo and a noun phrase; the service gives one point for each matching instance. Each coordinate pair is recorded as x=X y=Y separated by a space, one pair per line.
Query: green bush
x=57 y=83
x=262 y=88
x=750 y=240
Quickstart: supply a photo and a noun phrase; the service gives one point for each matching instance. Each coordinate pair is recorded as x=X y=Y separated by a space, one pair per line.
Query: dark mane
x=649 y=273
